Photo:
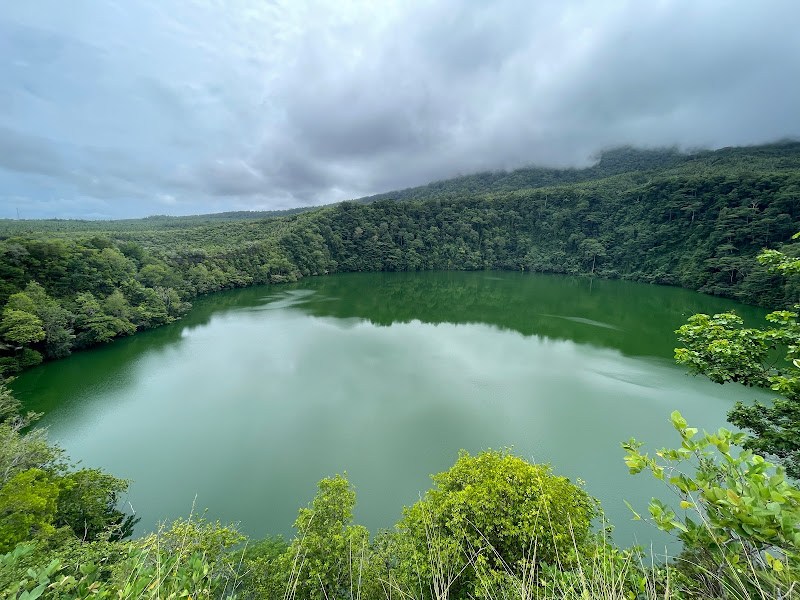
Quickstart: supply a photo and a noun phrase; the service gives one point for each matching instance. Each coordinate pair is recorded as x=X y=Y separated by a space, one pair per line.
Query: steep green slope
x=692 y=220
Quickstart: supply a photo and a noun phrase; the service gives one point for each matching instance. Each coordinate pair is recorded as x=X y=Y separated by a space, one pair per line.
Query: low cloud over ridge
x=138 y=107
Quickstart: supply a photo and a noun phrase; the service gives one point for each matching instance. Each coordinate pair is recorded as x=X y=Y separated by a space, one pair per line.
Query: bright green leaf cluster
x=743 y=505
x=493 y=512
x=720 y=348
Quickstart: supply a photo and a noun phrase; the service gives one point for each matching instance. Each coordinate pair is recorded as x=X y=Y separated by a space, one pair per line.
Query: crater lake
x=256 y=394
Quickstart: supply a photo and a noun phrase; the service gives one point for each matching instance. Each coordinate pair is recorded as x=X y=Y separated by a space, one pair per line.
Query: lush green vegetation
x=494 y=525
x=694 y=220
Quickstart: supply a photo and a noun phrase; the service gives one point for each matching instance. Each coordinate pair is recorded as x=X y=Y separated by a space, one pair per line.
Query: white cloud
x=262 y=104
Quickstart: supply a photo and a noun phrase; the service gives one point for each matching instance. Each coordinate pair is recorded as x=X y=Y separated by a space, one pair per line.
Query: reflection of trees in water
x=636 y=319
x=112 y=366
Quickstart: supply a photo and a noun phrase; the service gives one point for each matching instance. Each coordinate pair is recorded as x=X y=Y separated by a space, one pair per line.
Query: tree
x=494 y=512
x=9 y=405
x=58 y=333
x=721 y=348
x=35 y=482
x=591 y=248
x=56 y=321
x=27 y=507
x=97 y=326
x=325 y=556
x=21 y=327
x=21 y=450
x=88 y=505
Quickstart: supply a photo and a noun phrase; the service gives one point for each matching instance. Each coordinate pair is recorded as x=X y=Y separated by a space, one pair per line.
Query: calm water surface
x=258 y=393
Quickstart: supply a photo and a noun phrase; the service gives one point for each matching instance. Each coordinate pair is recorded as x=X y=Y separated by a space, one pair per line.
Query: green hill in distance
x=696 y=220
x=615 y=161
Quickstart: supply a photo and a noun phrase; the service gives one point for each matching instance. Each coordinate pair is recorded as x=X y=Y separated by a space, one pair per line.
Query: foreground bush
x=493 y=513
x=743 y=541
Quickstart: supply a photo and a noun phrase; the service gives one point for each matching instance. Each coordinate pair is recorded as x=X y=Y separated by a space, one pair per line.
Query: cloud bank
x=140 y=107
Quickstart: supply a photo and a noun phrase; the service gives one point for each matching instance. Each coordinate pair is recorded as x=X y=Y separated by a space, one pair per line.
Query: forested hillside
x=611 y=162
x=694 y=220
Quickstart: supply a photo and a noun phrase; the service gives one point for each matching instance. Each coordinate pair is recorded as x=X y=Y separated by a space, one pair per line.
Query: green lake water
x=258 y=393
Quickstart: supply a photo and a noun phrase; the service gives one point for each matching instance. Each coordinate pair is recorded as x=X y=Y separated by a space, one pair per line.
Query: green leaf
x=677 y=420
x=636 y=516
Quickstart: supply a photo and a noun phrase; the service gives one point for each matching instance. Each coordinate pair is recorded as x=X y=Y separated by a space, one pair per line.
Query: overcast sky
x=136 y=107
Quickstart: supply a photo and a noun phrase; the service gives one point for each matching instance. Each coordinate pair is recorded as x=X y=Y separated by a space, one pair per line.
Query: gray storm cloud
x=140 y=107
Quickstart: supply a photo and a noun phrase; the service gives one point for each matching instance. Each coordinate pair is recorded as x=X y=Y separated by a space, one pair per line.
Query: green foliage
x=138 y=575
x=323 y=561
x=73 y=556
x=56 y=321
x=27 y=507
x=98 y=326
x=161 y=574
x=193 y=544
x=604 y=572
x=33 y=583
x=723 y=350
x=778 y=261
x=21 y=450
x=744 y=536
x=269 y=549
x=720 y=348
x=21 y=327
x=190 y=559
x=88 y=505
x=261 y=568
x=9 y=405
x=494 y=513
x=39 y=493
